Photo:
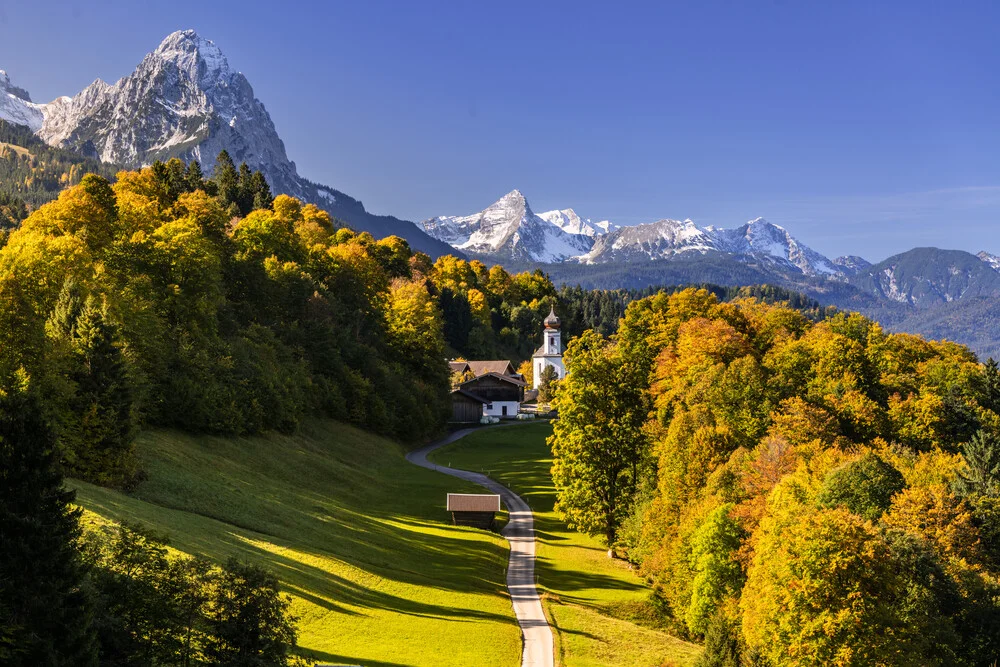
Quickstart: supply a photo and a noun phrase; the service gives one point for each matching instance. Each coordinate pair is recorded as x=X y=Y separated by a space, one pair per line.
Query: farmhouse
x=474 y=509
x=502 y=394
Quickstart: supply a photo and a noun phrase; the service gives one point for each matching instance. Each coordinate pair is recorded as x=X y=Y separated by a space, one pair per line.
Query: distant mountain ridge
x=184 y=100
x=508 y=230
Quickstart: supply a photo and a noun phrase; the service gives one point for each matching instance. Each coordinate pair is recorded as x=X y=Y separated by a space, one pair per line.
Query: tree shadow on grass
x=336 y=659
x=218 y=541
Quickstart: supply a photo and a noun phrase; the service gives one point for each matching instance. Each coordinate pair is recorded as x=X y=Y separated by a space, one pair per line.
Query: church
x=494 y=388
x=550 y=353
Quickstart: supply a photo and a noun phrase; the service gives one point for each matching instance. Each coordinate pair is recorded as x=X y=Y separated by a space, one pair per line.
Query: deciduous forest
x=798 y=492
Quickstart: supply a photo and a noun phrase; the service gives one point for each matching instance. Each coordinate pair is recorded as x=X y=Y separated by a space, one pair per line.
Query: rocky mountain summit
x=184 y=100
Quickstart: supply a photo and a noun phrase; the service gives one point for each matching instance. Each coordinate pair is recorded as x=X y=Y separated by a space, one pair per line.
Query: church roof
x=551 y=321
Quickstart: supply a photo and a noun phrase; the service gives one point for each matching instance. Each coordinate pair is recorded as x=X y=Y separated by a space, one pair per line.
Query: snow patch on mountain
x=571 y=223
x=993 y=261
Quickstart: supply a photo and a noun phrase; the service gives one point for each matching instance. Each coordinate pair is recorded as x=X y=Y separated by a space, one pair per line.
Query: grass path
x=358 y=537
x=598 y=607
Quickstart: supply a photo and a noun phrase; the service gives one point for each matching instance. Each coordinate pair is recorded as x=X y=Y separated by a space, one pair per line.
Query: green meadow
x=358 y=537
x=599 y=608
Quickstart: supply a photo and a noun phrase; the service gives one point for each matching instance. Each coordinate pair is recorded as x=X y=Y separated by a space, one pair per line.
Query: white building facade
x=550 y=353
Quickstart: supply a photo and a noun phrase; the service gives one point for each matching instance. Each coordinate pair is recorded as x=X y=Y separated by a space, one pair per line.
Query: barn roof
x=462 y=392
x=502 y=366
x=500 y=376
x=473 y=502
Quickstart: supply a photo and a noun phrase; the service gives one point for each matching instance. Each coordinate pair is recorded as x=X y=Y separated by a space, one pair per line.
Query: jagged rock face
x=16 y=105
x=508 y=229
x=183 y=100
x=851 y=265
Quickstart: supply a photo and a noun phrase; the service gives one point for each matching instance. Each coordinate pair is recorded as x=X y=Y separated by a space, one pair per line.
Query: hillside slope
x=358 y=536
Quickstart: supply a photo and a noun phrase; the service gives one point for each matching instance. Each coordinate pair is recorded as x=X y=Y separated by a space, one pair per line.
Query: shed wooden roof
x=473 y=502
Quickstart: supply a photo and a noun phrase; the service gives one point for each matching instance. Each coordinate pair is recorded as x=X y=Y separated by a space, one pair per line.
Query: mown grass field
x=358 y=536
x=598 y=606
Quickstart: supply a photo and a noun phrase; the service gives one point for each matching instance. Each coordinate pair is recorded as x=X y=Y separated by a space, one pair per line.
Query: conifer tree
x=226 y=179
x=44 y=613
x=262 y=198
x=195 y=178
x=982 y=474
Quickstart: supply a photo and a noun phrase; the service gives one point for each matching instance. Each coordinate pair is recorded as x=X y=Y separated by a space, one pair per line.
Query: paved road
x=520 y=532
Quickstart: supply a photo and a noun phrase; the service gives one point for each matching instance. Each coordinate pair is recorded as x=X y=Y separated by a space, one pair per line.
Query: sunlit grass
x=587 y=596
x=358 y=536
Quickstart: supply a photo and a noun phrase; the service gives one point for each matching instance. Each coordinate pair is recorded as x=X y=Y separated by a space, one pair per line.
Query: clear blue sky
x=864 y=128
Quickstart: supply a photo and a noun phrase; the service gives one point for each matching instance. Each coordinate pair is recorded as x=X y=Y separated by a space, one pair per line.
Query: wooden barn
x=466 y=407
x=502 y=394
x=474 y=509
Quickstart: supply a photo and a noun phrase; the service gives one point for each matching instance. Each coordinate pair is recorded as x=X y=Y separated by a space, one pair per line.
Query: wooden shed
x=474 y=509
x=466 y=407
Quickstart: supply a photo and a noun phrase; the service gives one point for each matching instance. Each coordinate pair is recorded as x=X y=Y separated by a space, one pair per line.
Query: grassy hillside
x=357 y=535
x=599 y=606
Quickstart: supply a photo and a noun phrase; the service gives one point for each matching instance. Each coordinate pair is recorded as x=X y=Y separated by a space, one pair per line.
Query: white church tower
x=550 y=353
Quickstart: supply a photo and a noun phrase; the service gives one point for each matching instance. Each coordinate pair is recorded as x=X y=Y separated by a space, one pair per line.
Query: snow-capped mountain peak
x=183 y=100
x=508 y=228
x=16 y=105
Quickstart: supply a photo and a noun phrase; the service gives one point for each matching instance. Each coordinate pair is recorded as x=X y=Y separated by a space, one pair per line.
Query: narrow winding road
x=520 y=532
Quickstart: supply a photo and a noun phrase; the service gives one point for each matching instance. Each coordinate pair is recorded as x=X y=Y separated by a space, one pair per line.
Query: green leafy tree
x=248 y=619
x=547 y=383
x=45 y=616
x=717 y=573
x=600 y=451
x=865 y=486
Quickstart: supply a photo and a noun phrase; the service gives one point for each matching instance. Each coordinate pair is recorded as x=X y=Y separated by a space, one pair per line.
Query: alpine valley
x=185 y=100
